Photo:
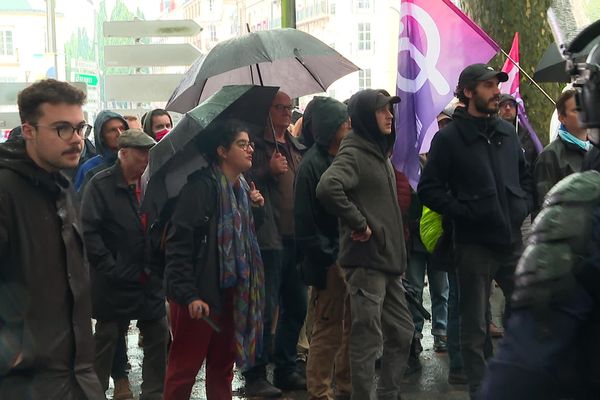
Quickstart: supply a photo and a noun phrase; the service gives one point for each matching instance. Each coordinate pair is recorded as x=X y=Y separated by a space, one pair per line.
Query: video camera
x=584 y=76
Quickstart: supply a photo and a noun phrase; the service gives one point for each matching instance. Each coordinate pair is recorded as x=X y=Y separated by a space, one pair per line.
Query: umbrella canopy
x=177 y=155
x=297 y=62
x=552 y=67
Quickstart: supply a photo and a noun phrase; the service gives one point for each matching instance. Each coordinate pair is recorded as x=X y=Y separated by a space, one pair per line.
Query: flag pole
x=527 y=75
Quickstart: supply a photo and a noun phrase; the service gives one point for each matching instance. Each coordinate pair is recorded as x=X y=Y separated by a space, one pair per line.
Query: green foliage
x=79 y=46
x=501 y=19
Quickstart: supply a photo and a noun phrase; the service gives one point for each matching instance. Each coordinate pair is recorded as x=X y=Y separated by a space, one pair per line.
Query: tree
x=501 y=19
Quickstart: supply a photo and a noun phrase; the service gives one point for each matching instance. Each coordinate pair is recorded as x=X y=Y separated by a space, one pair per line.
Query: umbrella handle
x=274 y=136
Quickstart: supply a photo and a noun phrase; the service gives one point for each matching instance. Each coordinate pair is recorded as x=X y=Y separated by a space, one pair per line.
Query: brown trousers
x=328 y=353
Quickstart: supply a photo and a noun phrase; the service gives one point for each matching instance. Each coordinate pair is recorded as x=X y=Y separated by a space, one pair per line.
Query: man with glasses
x=275 y=163
x=107 y=128
x=45 y=306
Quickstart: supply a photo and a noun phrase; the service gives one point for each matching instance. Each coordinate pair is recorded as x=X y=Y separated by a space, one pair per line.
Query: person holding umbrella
x=214 y=271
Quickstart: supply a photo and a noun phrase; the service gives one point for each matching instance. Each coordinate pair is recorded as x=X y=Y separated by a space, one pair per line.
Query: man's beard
x=483 y=106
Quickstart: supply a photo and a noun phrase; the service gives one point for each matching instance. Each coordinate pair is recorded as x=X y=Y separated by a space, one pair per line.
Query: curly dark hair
x=46 y=91
x=460 y=91
x=220 y=134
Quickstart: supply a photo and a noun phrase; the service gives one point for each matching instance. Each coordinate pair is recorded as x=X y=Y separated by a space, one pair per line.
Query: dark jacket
x=104 y=158
x=317 y=233
x=558 y=160
x=192 y=270
x=123 y=286
x=476 y=175
x=360 y=189
x=45 y=305
x=269 y=235
x=591 y=160
x=529 y=150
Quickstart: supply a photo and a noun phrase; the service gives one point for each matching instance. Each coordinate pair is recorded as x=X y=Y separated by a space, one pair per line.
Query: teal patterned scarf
x=241 y=266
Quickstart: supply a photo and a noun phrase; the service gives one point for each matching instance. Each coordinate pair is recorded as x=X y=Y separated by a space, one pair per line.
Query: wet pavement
x=428 y=384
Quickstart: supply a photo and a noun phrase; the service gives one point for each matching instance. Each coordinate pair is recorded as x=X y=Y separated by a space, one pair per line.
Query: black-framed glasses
x=66 y=131
x=244 y=144
x=281 y=107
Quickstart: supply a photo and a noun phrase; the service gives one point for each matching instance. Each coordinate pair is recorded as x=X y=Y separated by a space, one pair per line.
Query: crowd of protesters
x=277 y=227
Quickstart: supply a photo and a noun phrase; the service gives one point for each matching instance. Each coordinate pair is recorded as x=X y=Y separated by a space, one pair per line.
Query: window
x=211 y=5
x=213 y=33
x=363 y=4
x=364 y=36
x=364 y=79
x=332 y=7
x=6 y=43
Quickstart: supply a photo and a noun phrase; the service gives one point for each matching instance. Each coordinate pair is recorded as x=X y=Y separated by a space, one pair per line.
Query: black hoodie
x=45 y=297
x=316 y=230
x=362 y=107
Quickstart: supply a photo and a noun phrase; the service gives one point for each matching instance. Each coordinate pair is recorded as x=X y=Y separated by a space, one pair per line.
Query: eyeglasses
x=66 y=131
x=244 y=145
x=281 y=107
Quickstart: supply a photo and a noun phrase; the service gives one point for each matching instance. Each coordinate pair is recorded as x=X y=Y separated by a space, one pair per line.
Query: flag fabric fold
x=437 y=41
x=511 y=86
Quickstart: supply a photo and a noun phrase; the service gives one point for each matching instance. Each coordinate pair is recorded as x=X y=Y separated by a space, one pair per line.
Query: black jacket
x=317 y=233
x=591 y=160
x=269 y=235
x=558 y=160
x=123 y=286
x=45 y=304
x=192 y=270
x=476 y=175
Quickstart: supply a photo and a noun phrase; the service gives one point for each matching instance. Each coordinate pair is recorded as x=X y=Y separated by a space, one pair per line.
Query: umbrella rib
x=311 y=74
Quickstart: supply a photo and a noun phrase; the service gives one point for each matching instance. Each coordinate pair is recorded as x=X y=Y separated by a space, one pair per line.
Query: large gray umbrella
x=295 y=61
x=552 y=67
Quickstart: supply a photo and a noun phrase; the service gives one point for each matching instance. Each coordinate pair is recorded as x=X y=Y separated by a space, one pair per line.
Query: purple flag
x=437 y=41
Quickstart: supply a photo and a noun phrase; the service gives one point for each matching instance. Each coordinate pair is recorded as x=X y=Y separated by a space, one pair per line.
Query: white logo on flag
x=427 y=63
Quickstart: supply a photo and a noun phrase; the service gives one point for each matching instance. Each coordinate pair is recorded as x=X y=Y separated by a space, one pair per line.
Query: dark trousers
x=283 y=287
x=476 y=266
x=119 y=366
x=195 y=341
x=453 y=330
x=156 y=336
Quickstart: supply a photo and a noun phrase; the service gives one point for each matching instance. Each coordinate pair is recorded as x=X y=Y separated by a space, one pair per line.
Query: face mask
x=161 y=134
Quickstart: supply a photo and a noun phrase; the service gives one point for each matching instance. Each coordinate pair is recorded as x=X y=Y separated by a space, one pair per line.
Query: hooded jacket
x=45 y=304
x=123 y=286
x=147 y=122
x=316 y=230
x=360 y=189
x=477 y=176
x=105 y=157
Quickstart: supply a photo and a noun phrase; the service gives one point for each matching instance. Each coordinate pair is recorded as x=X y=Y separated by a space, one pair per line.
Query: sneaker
x=495 y=331
x=293 y=381
x=457 y=377
x=122 y=390
x=440 y=344
x=261 y=388
x=413 y=366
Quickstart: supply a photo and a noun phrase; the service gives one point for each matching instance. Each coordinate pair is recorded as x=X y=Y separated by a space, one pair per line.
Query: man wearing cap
x=477 y=176
x=360 y=189
x=508 y=112
x=123 y=287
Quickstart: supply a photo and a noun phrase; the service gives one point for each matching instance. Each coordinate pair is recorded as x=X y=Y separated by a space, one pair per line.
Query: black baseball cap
x=383 y=98
x=480 y=72
x=507 y=97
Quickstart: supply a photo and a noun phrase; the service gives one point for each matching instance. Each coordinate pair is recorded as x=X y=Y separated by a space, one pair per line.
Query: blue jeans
x=438 y=290
x=456 y=362
x=283 y=288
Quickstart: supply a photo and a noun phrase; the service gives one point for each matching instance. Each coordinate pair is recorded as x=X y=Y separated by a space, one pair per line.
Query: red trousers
x=195 y=341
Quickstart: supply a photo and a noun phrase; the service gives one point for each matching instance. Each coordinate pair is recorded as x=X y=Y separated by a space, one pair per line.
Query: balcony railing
x=317 y=10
